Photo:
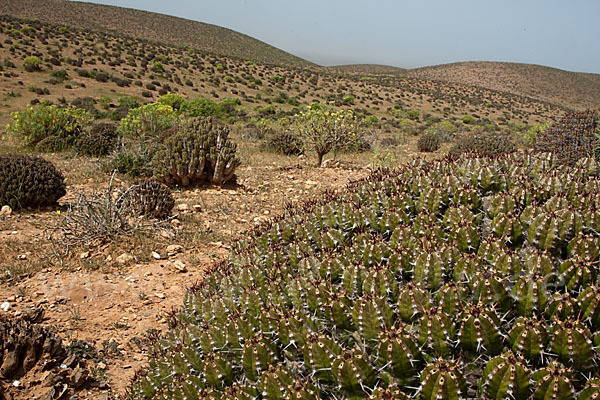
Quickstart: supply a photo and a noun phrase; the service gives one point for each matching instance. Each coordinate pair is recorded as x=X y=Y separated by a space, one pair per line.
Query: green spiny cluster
x=471 y=278
x=198 y=152
x=28 y=181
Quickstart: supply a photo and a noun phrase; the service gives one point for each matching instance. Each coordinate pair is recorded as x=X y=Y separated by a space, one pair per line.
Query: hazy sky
x=558 y=33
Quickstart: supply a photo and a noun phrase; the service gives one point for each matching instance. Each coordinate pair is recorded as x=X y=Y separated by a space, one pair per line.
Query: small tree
x=324 y=130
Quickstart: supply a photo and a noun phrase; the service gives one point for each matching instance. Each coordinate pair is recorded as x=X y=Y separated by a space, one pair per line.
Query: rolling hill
x=570 y=89
x=150 y=26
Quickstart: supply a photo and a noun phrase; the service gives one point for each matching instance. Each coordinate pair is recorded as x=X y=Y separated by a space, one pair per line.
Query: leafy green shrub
x=27 y=181
x=429 y=142
x=467 y=119
x=199 y=107
x=485 y=144
x=173 y=100
x=32 y=63
x=199 y=151
x=533 y=132
x=157 y=67
x=445 y=130
x=148 y=121
x=99 y=141
x=128 y=101
x=452 y=279
x=149 y=198
x=323 y=130
x=573 y=137
x=285 y=142
x=413 y=115
x=59 y=75
x=41 y=121
x=228 y=106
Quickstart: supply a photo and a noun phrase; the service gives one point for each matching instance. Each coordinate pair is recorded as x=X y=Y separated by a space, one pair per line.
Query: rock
x=85 y=254
x=175 y=222
x=22 y=257
x=101 y=365
x=124 y=258
x=5 y=306
x=6 y=211
x=155 y=255
x=160 y=295
x=183 y=207
x=329 y=163
x=174 y=249
x=180 y=266
x=197 y=207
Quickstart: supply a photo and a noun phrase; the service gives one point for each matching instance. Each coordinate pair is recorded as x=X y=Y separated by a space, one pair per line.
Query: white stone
x=6 y=211
x=124 y=258
x=5 y=306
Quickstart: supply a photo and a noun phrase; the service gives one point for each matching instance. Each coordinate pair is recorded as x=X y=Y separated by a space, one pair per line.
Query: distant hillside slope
x=150 y=26
x=367 y=69
x=570 y=89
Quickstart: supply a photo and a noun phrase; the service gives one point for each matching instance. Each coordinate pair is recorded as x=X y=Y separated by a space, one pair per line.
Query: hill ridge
x=151 y=26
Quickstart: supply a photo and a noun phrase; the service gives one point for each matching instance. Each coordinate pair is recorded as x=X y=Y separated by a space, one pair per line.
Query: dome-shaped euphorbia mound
x=447 y=279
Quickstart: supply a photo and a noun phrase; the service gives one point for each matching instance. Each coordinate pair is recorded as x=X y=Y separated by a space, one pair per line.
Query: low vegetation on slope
x=150 y=26
x=571 y=89
x=463 y=279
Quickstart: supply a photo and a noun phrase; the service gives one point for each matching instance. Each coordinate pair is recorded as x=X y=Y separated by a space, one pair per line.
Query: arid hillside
x=570 y=89
x=150 y=26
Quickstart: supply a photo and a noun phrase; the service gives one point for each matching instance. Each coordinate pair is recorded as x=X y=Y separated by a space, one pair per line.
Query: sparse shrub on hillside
x=467 y=119
x=413 y=115
x=41 y=121
x=32 y=64
x=485 y=144
x=99 y=141
x=199 y=151
x=429 y=142
x=28 y=181
x=455 y=279
x=573 y=137
x=157 y=67
x=285 y=142
x=59 y=76
x=128 y=101
x=533 y=132
x=446 y=130
x=324 y=130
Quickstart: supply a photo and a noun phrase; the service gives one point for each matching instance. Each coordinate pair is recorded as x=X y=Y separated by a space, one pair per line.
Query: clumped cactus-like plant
x=485 y=144
x=149 y=198
x=407 y=284
x=28 y=181
x=100 y=140
x=198 y=152
x=429 y=142
x=572 y=138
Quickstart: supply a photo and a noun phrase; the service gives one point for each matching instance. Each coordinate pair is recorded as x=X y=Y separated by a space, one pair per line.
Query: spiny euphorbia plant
x=471 y=278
